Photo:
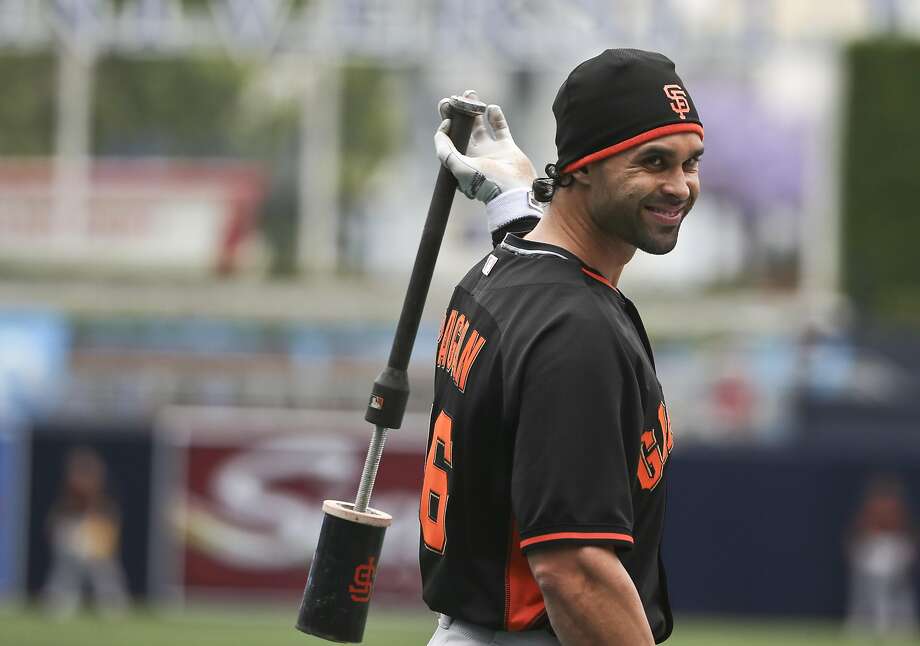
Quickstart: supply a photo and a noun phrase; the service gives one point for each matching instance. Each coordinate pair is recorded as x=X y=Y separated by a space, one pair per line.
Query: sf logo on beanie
x=678 y=97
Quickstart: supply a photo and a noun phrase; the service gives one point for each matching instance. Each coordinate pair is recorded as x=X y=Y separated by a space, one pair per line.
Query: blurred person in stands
x=83 y=528
x=882 y=552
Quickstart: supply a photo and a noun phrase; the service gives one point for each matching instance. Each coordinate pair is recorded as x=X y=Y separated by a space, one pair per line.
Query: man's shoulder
x=528 y=300
x=502 y=269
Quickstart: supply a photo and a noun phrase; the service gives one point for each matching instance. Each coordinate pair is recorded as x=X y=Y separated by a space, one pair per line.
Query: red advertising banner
x=240 y=493
x=187 y=215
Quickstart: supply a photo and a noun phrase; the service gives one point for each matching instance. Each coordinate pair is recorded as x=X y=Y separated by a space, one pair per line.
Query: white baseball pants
x=460 y=633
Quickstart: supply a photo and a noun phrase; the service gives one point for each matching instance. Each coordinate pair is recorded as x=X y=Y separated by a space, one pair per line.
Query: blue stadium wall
x=12 y=512
x=762 y=532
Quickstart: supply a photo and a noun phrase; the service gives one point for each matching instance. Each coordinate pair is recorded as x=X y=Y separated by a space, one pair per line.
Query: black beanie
x=619 y=99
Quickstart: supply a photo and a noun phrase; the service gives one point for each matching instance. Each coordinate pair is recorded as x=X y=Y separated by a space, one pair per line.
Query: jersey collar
x=523 y=247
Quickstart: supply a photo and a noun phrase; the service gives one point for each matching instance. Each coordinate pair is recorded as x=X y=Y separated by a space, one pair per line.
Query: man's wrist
x=510 y=206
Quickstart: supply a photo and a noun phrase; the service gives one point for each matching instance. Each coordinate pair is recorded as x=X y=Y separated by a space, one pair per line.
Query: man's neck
x=568 y=225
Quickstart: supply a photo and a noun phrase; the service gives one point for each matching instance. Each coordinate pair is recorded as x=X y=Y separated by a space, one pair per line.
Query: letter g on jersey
x=655 y=450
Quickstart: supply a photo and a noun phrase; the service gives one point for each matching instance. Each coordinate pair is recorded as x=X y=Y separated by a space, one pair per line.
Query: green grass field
x=245 y=628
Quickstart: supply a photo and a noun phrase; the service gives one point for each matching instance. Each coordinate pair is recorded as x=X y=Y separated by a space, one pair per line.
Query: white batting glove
x=493 y=164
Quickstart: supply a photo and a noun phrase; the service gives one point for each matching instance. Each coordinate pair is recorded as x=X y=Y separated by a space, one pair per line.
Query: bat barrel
x=341 y=579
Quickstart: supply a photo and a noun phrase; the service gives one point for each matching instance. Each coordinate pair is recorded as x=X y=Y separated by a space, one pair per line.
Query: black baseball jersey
x=548 y=427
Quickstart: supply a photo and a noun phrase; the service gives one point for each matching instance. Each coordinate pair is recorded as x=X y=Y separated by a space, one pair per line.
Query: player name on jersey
x=458 y=347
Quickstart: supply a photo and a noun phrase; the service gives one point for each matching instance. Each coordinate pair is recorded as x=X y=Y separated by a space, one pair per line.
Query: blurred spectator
x=83 y=528
x=733 y=399
x=882 y=552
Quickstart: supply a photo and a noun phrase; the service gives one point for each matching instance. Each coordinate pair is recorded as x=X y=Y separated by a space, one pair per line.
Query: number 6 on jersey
x=438 y=464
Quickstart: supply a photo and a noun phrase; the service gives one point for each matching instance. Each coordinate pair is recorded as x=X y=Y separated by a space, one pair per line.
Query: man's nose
x=677 y=185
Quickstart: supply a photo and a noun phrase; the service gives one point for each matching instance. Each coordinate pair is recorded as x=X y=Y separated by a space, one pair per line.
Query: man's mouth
x=666 y=214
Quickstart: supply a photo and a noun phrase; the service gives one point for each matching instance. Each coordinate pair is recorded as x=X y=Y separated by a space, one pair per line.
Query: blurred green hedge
x=881 y=180
x=27 y=111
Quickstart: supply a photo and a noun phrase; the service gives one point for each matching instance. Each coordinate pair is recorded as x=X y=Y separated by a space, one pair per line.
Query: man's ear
x=582 y=175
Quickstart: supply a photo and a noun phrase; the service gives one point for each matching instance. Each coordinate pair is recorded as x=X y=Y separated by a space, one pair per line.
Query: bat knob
x=466 y=106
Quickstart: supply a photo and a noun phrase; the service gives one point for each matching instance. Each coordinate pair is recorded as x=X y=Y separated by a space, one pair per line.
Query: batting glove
x=493 y=164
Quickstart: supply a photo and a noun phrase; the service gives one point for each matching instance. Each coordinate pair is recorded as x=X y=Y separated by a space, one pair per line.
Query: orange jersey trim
x=641 y=138
x=576 y=535
x=601 y=279
x=524 y=603
x=598 y=277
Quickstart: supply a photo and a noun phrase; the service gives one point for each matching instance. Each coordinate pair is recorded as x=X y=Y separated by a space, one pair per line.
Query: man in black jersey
x=543 y=499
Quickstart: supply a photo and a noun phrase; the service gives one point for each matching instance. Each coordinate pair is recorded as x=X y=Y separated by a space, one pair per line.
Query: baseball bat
x=341 y=577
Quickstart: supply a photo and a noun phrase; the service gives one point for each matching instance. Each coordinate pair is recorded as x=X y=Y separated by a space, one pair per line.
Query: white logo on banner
x=250 y=521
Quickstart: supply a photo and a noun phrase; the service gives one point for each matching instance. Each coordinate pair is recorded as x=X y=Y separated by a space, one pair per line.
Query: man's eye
x=655 y=162
x=692 y=164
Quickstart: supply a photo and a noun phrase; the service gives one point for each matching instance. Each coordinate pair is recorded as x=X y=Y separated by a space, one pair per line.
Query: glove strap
x=510 y=206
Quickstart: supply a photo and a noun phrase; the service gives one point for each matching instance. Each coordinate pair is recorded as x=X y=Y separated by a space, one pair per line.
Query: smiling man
x=543 y=502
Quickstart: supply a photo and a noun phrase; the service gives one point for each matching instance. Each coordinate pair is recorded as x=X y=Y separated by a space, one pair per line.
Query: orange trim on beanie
x=641 y=138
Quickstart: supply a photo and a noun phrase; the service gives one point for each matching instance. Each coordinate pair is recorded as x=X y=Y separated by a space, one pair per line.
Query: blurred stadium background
x=208 y=212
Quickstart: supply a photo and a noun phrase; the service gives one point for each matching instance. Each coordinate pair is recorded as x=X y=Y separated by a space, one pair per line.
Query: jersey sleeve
x=570 y=479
